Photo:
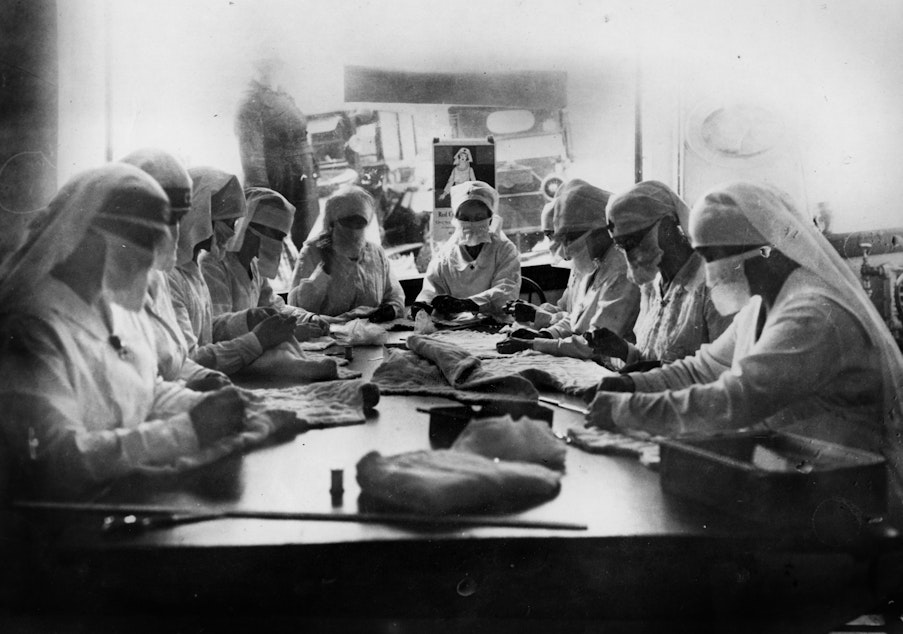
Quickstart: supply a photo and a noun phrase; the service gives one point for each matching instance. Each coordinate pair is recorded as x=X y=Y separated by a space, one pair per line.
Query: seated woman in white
x=174 y=360
x=677 y=316
x=807 y=352
x=600 y=295
x=78 y=379
x=339 y=273
x=477 y=269
x=233 y=340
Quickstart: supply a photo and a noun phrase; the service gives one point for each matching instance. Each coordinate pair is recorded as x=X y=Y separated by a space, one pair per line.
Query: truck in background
x=532 y=157
x=376 y=149
x=364 y=147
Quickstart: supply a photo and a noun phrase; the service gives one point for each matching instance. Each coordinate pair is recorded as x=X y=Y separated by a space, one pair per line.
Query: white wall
x=831 y=68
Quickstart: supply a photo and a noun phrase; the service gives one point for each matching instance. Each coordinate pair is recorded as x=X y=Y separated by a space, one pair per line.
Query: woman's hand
x=600 y=412
x=512 y=345
x=621 y=383
x=521 y=310
x=218 y=415
x=416 y=307
x=607 y=343
x=325 y=245
x=305 y=331
x=254 y=316
x=450 y=305
x=383 y=313
x=208 y=382
x=274 y=330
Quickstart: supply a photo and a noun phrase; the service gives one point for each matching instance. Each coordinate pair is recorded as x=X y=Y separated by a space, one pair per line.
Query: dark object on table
x=452 y=305
x=416 y=307
x=399 y=327
x=489 y=325
x=382 y=314
x=641 y=366
x=520 y=310
x=447 y=422
x=776 y=478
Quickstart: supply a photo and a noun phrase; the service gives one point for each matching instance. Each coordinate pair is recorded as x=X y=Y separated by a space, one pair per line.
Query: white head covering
x=114 y=195
x=578 y=206
x=744 y=213
x=166 y=170
x=265 y=207
x=347 y=202
x=351 y=200
x=642 y=206
x=175 y=181
x=216 y=195
x=483 y=193
x=475 y=190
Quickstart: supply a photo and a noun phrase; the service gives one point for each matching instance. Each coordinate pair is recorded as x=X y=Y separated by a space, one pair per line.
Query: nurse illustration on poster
x=461 y=173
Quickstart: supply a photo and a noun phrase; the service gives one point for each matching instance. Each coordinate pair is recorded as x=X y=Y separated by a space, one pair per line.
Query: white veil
x=58 y=231
x=772 y=213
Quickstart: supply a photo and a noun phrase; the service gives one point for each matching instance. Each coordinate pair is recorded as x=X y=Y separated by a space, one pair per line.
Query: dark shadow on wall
x=28 y=113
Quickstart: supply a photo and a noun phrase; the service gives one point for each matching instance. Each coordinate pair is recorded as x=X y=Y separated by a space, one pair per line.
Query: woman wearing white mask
x=232 y=340
x=238 y=280
x=547 y=313
x=339 y=273
x=173 y=352
x=677 y=315
x=477 y=269
x=600 y=294
x=807 y=352
x=78 y=379
x=222 y=194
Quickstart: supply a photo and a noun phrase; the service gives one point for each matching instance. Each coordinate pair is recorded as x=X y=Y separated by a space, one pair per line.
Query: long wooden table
x=647 y=562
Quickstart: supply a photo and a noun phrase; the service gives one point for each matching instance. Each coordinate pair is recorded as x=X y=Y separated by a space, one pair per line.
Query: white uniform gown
x=174 y=362
x=232 y=291
x=367 y=281
x=674 y=324
x=602 y=298
x=223 y=343
x=490 y=280
x=812 y=370
x=79 y=411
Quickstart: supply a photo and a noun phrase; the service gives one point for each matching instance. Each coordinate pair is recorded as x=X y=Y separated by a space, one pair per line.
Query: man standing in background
x=275 y=152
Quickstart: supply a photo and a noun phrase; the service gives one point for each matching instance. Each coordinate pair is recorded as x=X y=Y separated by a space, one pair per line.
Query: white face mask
x=643 y=259
x=125 y=273
x=577 y=253
x=555 y=251
x=166 y=253
x=726 y=279
x=222 y=233
x=473 y=232
x=269 y=253
x=572 y=249
x=347 y=240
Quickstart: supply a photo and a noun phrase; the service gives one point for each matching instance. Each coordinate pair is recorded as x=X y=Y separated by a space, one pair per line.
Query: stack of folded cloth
x=495 y=465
